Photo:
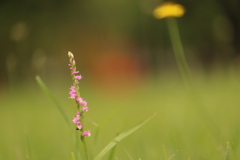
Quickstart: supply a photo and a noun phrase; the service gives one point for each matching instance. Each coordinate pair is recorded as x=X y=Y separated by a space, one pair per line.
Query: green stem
x=83 y=137
x=185 y=72
x=178 y=51
x=84 y=146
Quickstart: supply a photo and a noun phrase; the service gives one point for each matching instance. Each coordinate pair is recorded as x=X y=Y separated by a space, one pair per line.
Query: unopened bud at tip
x=70 y=55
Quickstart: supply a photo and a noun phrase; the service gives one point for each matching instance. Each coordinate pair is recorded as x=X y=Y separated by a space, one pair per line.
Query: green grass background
x=32 y=127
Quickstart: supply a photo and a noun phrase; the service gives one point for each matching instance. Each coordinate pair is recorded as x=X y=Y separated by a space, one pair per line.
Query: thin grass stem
x=186 y=75
x=84 y=146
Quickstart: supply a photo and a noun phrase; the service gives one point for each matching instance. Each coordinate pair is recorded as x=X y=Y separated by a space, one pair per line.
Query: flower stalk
x=81 y=104
x=170 y=10
x=186 y=75
x=178 y=51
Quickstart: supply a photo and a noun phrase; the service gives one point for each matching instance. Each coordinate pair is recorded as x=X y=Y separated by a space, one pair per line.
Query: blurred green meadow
x=130 y=73
x=33 y=128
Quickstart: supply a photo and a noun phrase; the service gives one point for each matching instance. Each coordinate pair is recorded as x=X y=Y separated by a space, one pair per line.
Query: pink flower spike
x=79 y=99
x=76 y=119
x=87 y=133
x=78 y=77
x=77 y=113
x=85 y=108
x=71 y=68
x=83 y=103
x=75 y=72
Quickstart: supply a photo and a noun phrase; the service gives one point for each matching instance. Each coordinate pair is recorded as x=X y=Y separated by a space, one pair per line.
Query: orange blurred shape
x=116 y=71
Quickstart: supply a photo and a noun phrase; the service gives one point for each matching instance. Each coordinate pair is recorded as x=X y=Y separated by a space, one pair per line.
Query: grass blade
x=111 y=156
x=106 y=119
x=121 y=137
x=49 y=94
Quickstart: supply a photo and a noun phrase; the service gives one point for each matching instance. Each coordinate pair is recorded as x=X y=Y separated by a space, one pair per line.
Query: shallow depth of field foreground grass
x=32 y=127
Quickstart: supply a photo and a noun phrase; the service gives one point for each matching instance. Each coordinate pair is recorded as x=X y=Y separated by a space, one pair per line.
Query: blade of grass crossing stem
x=112 y=153
x=120 y=137
x=105 y=120
x=108 y=117
x=102 y=123
x=49 y=94
x=96 y=139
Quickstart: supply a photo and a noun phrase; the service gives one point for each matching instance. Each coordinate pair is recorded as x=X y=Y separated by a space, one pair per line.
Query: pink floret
x=72 y=87
x=79 y=126
x=85 y=108
x=77 y=113
x=76 y=119
x=87 y=133
x=78 y=77
x=76 y=72
x=72 y=96
x=83 y=103
x=78 y=99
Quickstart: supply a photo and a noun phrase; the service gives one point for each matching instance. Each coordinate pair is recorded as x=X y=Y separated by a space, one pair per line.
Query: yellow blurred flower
x=169 y=9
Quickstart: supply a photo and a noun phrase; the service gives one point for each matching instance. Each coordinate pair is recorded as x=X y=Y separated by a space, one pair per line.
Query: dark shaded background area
x=111 y=39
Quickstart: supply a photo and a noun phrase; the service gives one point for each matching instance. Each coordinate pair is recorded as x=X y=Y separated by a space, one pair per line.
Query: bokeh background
x=128 y=65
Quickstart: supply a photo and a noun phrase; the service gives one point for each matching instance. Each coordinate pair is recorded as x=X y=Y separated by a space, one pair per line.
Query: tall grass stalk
x=186 y=75
x=53 y=99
